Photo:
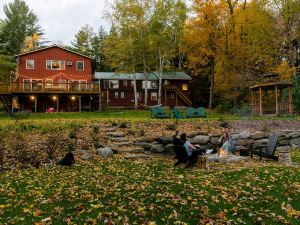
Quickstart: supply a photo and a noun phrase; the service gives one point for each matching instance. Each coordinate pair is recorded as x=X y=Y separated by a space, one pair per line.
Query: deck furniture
x=159 y=112
x=267 y=150
x=177 y=114
x=195 y=112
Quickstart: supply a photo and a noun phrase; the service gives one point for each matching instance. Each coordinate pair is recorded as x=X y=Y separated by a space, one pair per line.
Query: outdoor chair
x=195 y=112
x=159 y=112
x=177 y=114
x=266 y=150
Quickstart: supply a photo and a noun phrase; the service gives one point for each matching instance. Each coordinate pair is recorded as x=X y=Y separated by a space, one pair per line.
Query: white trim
x=33 y=64
x=82 y=65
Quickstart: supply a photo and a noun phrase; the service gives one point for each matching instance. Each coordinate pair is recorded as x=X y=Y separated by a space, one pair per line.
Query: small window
x=166 y=82
x=114 y=84
x=153 y=96
x=124 y=83
x=172 y=95
x=132 y=83
x=116 y=94
x=80 y=65
x=122 y=95
x=30 y=64
x=185 y=87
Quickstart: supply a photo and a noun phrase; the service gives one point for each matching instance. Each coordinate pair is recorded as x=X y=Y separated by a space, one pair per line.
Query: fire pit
x=225 y=157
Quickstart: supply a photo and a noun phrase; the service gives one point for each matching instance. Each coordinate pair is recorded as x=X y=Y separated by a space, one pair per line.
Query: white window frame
x=122 y=95
x=111 y=85
x=153 y=94
x=124 y=83
x=116 y=95
x=151 y=84
x=172 y=94
x=30 y=60
x=62 y=62
x=82 y=65
x=138 y=95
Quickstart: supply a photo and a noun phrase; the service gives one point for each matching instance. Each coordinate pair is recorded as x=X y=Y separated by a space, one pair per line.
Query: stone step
x=115 y=134
x=118 y=139
x=136 y=156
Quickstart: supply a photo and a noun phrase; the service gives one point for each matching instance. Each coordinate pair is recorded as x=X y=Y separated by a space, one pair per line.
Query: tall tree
x=19 y=23
x=7 y=65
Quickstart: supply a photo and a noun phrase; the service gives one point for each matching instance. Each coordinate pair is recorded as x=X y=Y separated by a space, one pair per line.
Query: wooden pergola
x=273 y=98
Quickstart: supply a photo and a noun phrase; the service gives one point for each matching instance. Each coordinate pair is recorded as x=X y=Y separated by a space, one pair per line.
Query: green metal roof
x=141 y=76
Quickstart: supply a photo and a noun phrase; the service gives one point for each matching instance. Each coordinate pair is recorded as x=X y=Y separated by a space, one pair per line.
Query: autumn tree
x=19 y=23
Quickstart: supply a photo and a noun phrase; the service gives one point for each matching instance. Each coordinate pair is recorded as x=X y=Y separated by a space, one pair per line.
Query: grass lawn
x=117 y=191
x=133 y=114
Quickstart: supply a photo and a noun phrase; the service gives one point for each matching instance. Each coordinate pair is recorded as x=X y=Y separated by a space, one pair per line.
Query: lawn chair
x=177 y=114
x=159 y=112
x=267 y=150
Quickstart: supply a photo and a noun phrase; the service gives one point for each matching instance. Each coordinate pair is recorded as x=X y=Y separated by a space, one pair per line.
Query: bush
x=224 y=107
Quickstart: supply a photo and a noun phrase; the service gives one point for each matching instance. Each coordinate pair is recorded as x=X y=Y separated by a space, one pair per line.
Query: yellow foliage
x=285 y=71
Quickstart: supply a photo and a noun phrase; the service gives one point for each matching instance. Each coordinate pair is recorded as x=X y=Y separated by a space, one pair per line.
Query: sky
x=62 y=19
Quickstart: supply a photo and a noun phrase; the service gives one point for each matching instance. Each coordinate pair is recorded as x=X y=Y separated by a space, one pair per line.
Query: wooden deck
x=44 y=88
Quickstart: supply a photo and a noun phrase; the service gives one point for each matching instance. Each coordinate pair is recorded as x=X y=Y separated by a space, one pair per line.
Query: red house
x=57 y=79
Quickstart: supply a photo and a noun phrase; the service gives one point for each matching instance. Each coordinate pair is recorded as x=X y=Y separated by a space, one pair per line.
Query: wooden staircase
x=179 y=94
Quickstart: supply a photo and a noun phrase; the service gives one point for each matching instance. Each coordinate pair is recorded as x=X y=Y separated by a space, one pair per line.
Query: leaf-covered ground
x=117 y=191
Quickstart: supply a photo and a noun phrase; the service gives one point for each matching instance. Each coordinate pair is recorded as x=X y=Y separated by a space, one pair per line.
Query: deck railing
x=283 y=108
x=44 y=87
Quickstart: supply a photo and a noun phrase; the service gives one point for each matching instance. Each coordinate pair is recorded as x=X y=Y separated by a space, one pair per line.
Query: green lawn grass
x=134 y=114
x=150 y=192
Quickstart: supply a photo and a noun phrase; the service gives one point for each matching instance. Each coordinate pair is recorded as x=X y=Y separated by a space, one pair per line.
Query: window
x=116 y=94
x=122 y=95
x=124 y=83
x=55 y=65
x=80 y=65
x=185 y=87
x=153 y=96
x=111 y=84
x=132 y=83
x=150 y=84
x=172 y=95
x=30 y=64
x=138 y=95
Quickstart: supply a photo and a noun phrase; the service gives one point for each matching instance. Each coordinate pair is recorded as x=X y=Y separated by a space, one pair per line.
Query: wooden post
x=12 y=104
x=107 y=98
x=100 y=106
x=276 y=100
x=260 y=103
x=290 y=100
x=79 y=102
x=57 y=104
x=165 y=98
x=176 y=99
x=35 y=104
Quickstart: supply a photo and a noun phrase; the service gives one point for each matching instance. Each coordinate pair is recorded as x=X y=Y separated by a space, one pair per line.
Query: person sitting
x=179 y=150
x=226 y=143
x=68 y=160
x=191 y=150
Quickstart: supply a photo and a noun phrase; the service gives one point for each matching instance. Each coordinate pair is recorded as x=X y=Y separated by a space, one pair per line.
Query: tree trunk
x=212 y=80
x=161 y=63
x=135 y=92
x=146 y=80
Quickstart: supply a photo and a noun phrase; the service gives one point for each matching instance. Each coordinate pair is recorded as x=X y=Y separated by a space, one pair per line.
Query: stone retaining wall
x=243 y=141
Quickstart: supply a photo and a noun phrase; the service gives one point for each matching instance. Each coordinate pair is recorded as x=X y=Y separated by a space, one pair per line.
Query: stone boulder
x=284 y=142
x=145 y=139
x=257 y=135
x=115 y=134
x=136 y=157
x=235 y=136
x=165 y=140
x=144 y=145
x=200 y=139
x=244 y=142
x=105 y=152
x=87 y=156
x=214 y=140
x=169 y=148
x=119 y=139
x=283 y=148
x=293 y=135
x=157 y=148
x=295 y=142
x=134 y=150
x=245 y=134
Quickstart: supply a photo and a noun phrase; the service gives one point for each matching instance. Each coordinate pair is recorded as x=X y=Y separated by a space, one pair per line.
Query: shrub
x=296 y=92
x=224 y=107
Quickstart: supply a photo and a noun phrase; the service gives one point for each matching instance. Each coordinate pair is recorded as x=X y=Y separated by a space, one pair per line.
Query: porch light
x=73 y=98
x=32 y=97
x=54 y=98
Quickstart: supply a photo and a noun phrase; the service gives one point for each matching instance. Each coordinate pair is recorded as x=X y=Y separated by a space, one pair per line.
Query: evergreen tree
x=7 y=64
x=19 y=23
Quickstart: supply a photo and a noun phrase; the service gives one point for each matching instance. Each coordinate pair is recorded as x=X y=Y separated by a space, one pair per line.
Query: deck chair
x=267 y=150
x=177 y=114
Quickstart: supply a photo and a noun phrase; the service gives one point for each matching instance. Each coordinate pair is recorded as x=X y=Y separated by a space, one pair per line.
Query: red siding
x=54 y=53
